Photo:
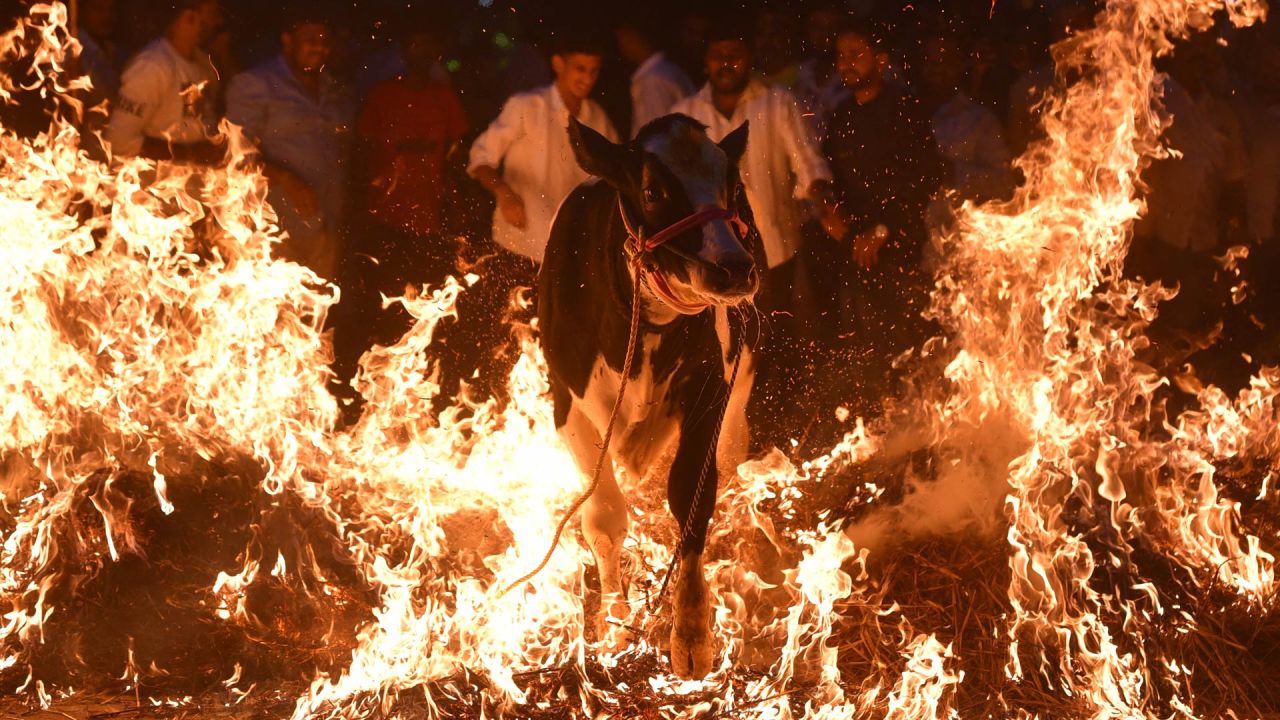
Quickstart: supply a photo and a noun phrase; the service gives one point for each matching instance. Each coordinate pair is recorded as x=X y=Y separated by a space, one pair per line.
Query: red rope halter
x=638 y=246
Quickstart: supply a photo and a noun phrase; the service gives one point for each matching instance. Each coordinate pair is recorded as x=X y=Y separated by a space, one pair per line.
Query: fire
x=166 y=370
x=1055 y=353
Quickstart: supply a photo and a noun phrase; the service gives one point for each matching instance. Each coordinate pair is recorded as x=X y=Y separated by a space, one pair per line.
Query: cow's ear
x=594 y=153
x=735 y=144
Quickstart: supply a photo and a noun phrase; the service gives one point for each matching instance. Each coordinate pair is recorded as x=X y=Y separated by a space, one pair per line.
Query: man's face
x=307 y=46
x=208 y=18
x=576 y=73
x=858 y=62
x=728 y=65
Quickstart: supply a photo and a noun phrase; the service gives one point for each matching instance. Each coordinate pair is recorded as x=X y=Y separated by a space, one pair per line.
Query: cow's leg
x=692 y=645
x=604 y=524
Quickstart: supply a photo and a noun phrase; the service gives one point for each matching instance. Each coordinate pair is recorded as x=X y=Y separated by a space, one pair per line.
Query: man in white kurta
x=782 y=165
x=525 y=160
x=529 y=141
x=657 y=83
x=656 y=86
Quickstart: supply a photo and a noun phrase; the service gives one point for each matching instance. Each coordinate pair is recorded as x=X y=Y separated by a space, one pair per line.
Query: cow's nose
x=735 y=276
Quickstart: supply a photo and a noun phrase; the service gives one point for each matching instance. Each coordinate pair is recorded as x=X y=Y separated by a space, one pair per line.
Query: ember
x=1030 y=532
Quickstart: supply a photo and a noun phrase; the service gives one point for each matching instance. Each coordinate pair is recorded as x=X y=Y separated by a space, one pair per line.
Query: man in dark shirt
x=881 y=155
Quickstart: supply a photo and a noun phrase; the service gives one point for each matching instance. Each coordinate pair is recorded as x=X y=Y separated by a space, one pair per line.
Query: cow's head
x=666 y=174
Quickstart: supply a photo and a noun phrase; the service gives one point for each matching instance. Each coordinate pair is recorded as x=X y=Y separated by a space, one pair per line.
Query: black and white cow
x=679 y=391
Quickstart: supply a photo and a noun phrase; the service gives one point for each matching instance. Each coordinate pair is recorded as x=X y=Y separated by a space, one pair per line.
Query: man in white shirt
x=657 y=83
x=530 y=142
x=782 y=165
x=165 y=110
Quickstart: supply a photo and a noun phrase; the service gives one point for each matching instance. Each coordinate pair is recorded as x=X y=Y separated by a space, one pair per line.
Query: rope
x=608 y=434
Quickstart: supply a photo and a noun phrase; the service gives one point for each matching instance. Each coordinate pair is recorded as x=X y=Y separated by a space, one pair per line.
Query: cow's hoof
x=611 y=625
x=692 y=646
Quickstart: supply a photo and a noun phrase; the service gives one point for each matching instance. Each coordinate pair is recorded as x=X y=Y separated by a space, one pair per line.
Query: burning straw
x=181 y=515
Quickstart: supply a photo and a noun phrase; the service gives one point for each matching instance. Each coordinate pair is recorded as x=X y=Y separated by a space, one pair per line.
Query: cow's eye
x=652 y=195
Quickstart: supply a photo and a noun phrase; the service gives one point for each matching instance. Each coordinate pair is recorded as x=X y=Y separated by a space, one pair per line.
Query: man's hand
x=834 y=224
x=212 y=152
x=509 y=203
x=866 y=247
x=511 y=206
x=823 y=196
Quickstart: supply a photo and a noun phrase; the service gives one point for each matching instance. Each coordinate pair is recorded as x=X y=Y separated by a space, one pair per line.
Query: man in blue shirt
x=300 y=118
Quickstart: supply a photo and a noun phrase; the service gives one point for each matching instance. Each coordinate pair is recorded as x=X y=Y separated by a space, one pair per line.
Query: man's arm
x=203 y=152
x=487 y=153
x=248 y=99
x=813 y=175
x=823 y=195
x=141 y=90
x=139 y=96
x=509 y=203
x=248 y=102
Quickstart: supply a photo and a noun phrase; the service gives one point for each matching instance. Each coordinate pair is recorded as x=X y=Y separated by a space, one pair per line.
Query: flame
x=163 y=360
x=1054 y=352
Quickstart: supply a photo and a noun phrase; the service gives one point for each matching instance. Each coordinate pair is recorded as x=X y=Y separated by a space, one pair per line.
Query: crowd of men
x=868 y=123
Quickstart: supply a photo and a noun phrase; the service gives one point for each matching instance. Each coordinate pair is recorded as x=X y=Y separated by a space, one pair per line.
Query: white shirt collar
x=557 y=103
x=753 y=89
